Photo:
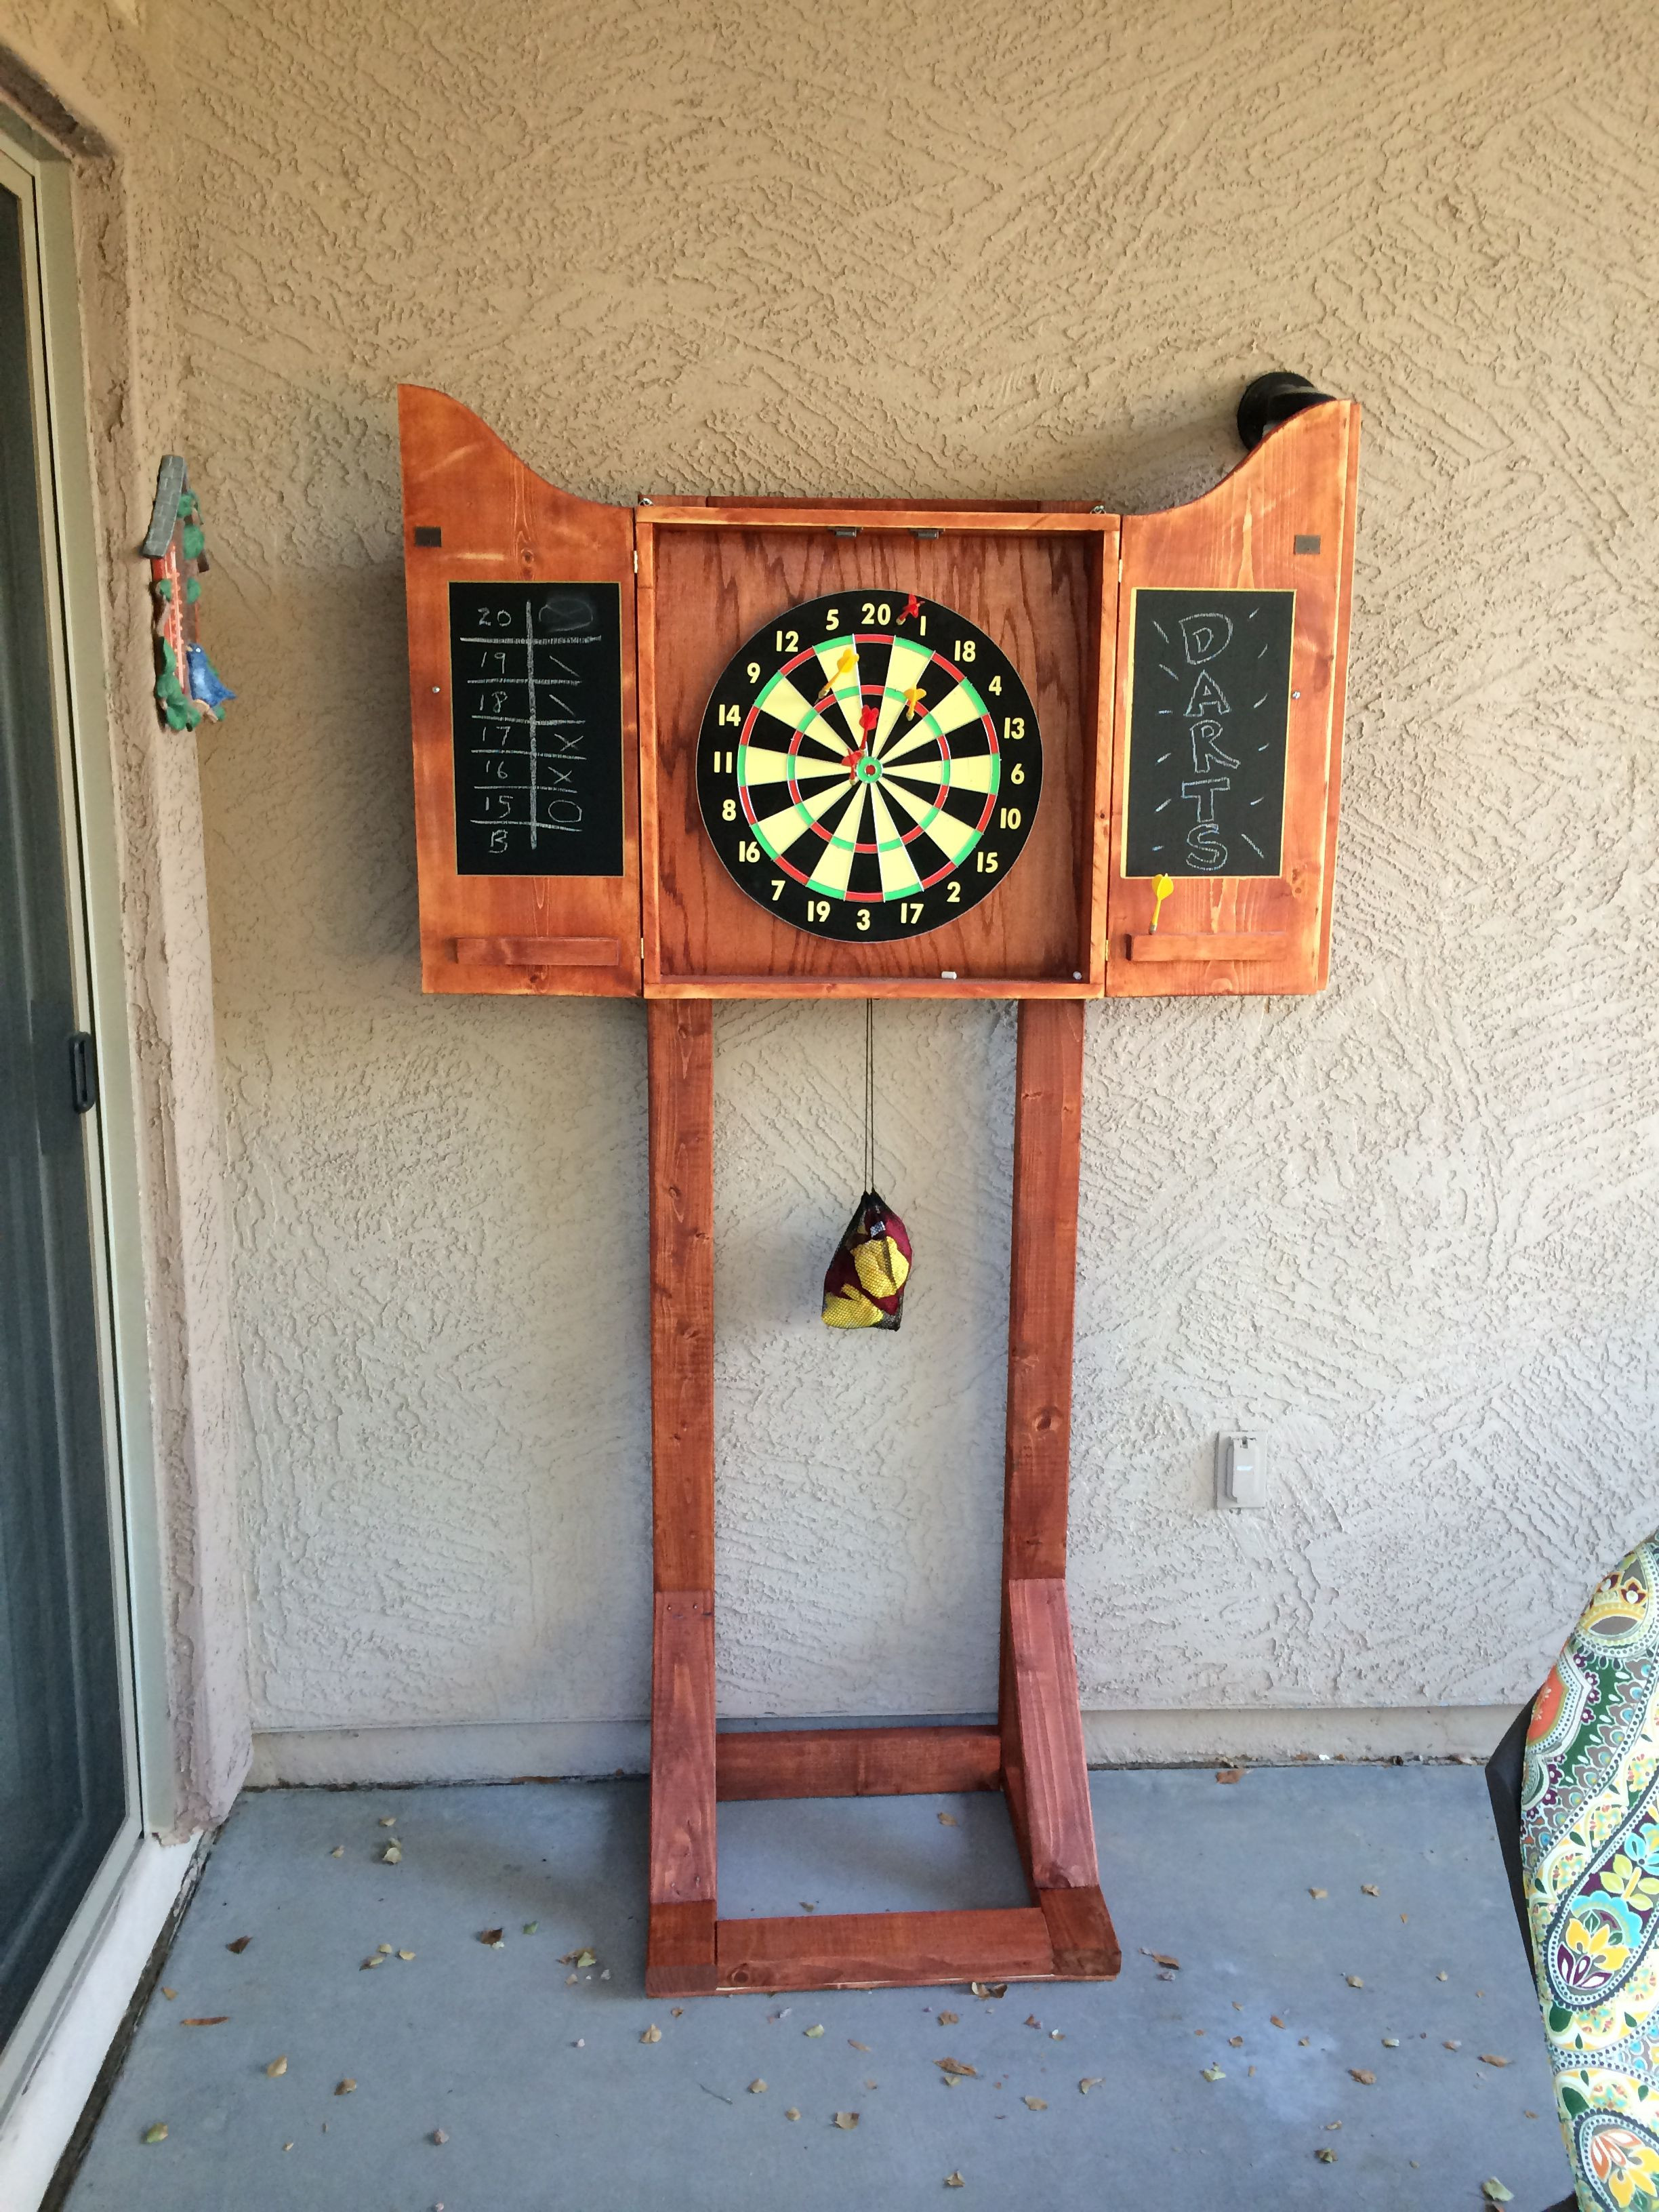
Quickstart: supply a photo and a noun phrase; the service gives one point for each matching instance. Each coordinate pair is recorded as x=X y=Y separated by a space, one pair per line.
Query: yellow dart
x=1162 y=886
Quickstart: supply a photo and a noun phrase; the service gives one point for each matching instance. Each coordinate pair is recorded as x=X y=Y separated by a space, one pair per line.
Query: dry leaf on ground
x=1369 y=1889
x=955 y=2066
x=986 y=1990
x=1036 y=2104
x=405 y=1954
x=1359 y=2074
x=1495 y=2193
x=1091 y=2082
x=852 y=2045
x=756 y=2087
x=1230 y=1774
x=490 y=1935
x=1276 y=2021
x=653 y=2035
x=277 y=2066
x=439 y=2137
x=578 y=1958
x=393 y=1855
x=346 y=2087
x=1354 y=1982
x=846 y=2119
x=338 y=1851
x=954 y=2181
x=1325 y=2155
x=794 y=2112
x=1391 y=2043
x=949 y=2019
x=156 y=2132
x=239 y=1944
x=169 y=1993
x=1212 y=2073
x=811 y=2032
x=207 y=2019
x=1319 y=1892
x=1489 y=2059
x=948 y=1820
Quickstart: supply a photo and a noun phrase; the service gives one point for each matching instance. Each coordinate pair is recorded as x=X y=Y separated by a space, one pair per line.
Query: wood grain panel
x=1299 y=482
x=683 y=1748
x=1081 y=1934
x=707 y=583
x=501 y=524
x=873 y=1762
x=1043 y=1282
x=679 y=1951
x=1059 y=1824
x=538 y=951
x=680 y=1048
x=884 y=1950
x=1224 y=944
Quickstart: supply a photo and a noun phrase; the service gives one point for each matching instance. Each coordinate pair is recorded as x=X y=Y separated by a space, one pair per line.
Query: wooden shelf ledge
x=538 y=951
x=1243 y=944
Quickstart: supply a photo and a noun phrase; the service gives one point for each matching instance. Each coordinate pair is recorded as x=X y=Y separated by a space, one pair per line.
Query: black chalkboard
x=1209 y=716
x=536 y=682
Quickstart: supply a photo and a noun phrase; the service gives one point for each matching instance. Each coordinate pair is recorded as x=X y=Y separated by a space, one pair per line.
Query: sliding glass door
x=64 y=1753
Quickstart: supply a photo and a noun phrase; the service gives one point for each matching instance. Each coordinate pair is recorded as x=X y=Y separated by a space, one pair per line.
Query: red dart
x=869 y=718
x=912 y=607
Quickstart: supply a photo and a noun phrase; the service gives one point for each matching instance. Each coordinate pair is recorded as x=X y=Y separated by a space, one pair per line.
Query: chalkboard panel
x=536 y=682
x=1209 y=718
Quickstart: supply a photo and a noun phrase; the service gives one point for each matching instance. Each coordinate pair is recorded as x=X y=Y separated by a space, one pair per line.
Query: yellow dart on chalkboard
x=1162 y=886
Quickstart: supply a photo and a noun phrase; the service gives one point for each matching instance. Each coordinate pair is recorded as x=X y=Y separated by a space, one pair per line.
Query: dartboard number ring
x=869 y=766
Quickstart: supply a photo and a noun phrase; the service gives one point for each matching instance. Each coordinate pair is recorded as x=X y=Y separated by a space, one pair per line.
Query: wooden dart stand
x=561 y=654
x=1034 y=1754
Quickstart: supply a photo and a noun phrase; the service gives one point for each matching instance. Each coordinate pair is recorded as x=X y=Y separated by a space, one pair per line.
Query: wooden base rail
x=1035 y=1753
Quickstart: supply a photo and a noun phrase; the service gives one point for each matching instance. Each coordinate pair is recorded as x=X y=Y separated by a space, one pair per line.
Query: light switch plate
x=1241 y=1472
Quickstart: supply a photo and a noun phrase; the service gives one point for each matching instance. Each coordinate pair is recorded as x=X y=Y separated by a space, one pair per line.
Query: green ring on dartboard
x=869 y=766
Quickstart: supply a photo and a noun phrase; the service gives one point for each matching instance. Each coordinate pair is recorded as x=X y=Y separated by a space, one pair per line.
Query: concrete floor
x=549 y=2098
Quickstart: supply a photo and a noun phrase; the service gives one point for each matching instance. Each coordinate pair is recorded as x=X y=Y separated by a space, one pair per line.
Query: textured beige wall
x=1409 y=1229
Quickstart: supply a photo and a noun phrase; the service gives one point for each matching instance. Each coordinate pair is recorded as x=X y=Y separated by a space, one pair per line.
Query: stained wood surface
x=875 y=1762
x=1224 y=944
x=501 y=524
x=683 y=1748
x=869 y=518
x=1299 y=482
x=875 y=1950
x=538 y=951
x=1043 y=1282
x=680 y=1052
x=679 y=1951
x=1081 y=1935
x=703 y=589
x=1055 y=1772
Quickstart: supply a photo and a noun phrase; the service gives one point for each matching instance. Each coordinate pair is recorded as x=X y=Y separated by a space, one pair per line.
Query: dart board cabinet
x=709 y=748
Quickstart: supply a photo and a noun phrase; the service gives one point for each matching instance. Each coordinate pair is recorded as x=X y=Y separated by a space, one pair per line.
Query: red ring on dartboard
x=924 y=883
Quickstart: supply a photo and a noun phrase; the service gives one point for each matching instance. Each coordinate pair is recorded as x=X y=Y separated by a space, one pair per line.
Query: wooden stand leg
x=1037 y=1749
x=680 y=1947
x=1045 y=1772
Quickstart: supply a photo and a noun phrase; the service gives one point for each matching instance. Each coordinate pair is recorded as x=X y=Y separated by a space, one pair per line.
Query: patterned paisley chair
x=1575 y=1787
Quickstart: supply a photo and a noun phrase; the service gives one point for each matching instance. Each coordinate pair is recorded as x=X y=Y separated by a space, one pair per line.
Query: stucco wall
x=1407 y=1229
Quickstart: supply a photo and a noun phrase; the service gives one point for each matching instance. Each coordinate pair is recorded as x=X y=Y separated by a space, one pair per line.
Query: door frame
x=41 y=180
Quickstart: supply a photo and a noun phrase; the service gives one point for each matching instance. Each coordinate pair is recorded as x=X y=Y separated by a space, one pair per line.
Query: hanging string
x=869 y=1094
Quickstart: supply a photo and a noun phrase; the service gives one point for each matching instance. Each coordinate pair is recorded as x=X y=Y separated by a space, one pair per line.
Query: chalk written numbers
x=536 y=692
x=1209 y=725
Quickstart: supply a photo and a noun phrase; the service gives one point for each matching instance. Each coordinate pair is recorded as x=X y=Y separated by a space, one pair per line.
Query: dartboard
x=869 y=766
